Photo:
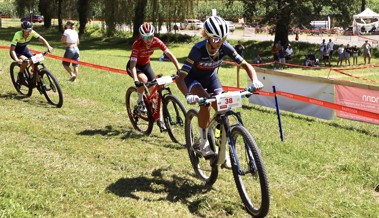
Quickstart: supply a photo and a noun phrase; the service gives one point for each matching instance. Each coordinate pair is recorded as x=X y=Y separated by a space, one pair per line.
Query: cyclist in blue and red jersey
x=19 y=50
x=198 y=76
x=138 y=66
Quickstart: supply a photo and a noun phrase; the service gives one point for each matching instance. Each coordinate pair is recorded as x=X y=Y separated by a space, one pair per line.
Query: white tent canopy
x=367 y=19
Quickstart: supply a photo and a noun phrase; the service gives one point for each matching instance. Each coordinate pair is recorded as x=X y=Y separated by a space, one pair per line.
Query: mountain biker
x=199 y=72
x=138 y=67
x=19 y=50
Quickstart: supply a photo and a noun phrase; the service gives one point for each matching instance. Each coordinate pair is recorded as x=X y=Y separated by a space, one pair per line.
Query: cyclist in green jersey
x=19 y=50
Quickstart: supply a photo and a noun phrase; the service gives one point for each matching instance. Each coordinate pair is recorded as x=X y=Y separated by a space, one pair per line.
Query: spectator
x=326 y=56
x=331 y=46
x=239 y=48
x=71 y=38
x=257 y=59
x=322 y=48
x=289 y=52
x=366 y=51
x=347 y=54
x=282 y=57
x=341 y=54
x=275 y=53
x=164 y=57
x=355 y=51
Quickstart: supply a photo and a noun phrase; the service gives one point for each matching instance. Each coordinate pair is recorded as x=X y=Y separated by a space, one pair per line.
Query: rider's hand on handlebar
x=20 y=61
x=191 y=99
x=257 y=85
x=50 y=49
x=138 y=84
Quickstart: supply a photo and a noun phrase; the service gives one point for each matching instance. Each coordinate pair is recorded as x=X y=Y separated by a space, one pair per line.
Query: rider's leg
x=203 y=120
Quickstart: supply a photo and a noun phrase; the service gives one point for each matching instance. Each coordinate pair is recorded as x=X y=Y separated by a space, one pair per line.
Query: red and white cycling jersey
x=141 y=53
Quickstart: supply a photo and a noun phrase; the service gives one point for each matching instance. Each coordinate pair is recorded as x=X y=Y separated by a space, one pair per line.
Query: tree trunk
x=139 y=16
x=282 y=23
x=46 y=9
x=60 y=26
x=363 y=7
x=83 y=8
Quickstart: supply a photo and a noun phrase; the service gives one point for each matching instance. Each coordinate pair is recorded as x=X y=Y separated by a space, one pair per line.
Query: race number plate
x=164 y=80
x=37 y=58
x=229 y=101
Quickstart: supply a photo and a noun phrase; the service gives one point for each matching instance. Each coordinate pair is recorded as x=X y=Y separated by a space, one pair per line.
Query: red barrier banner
x=358 y=99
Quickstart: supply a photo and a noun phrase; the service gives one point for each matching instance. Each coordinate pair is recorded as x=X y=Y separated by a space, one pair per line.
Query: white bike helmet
x=216 y=27
x=146 y=29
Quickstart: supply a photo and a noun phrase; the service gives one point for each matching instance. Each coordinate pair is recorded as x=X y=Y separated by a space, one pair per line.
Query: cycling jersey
x=201 y=67
x=20 y=42
x=141 y=53
x=199 y=64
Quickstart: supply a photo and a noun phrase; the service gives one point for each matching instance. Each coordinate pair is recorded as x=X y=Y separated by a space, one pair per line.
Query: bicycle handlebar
x=30 y=59
x=155 y=81
x=244 y=93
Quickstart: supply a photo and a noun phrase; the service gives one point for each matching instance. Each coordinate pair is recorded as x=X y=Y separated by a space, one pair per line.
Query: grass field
x=85 y=159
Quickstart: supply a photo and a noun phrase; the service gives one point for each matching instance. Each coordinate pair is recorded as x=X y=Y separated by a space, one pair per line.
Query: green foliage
x=228 y=10
x=7 y=9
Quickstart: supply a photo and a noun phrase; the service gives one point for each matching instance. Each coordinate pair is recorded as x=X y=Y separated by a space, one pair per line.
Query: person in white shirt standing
x=331 y=47
x=71 y=38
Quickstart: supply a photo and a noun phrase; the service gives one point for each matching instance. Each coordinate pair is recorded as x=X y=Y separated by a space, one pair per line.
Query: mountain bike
x=156 y=93
x=36 y=75
x=247 y=165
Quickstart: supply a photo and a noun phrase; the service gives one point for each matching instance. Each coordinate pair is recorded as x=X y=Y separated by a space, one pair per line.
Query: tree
x=83 y=9
x=139 y=16
x=46 y=8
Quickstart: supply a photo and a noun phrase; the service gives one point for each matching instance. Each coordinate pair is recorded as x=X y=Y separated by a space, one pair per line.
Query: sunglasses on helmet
x=149 y=37
x=27 y=30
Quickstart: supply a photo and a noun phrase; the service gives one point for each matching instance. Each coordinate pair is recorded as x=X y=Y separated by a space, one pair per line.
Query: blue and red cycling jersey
x=200 y=65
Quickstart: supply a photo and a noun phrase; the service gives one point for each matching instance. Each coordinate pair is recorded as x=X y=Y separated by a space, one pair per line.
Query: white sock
x=203 y=134
x=140 y=97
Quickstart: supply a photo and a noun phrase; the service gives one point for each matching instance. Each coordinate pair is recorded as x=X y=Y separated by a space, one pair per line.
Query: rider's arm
x=173 y=59
x=43 y=40
x=13 y=54
x=180 y=82
x=133 y=69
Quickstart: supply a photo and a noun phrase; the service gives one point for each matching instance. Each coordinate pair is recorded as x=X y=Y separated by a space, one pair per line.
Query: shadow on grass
x=176 y=189
x=27 y=99
x=111 y=131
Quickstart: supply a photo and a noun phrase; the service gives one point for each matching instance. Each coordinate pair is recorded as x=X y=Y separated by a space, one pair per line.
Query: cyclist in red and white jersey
x=138 y=66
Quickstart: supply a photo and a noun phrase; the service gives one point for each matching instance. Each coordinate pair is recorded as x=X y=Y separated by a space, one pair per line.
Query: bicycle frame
x=226 y=137
x=154 y=95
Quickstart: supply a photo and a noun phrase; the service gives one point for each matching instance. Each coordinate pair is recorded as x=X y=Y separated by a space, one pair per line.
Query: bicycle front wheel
x=141 y=121
x=20 y=81
x=50 y=88
x=205 y=169
x=174 y=114
x=249 y=173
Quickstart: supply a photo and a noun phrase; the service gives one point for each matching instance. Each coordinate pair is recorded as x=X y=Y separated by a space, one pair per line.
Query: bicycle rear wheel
x=20 y=82
x=174 y=114
x=205 y=169
x=141 y=121
x=249 y=173
x=50 y=88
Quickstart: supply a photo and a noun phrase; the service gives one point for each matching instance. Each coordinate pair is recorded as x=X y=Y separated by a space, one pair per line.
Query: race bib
x=229 y=100
x=164 y=80
x=37 y=58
